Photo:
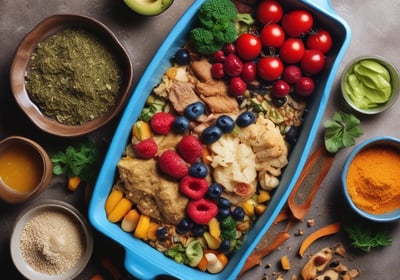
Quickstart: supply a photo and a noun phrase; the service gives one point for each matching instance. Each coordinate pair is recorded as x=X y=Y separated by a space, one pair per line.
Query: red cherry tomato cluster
x=285 y=51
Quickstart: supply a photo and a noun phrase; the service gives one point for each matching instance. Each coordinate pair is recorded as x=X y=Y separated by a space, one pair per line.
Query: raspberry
x=201 y=211
x=146 y=149
x=161 y=122
x=190 y=148
x=192 y=187
x=172 y=164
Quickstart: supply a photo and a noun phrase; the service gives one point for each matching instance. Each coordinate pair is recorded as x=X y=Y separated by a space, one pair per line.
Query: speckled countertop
x=374 y=26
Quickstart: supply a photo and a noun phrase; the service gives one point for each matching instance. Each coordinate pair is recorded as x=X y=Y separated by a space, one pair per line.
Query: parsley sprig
x=77 y=160
x=341 y=131
x=365 y=238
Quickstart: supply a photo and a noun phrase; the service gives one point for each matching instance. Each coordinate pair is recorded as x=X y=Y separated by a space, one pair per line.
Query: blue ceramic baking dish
x=141 y=260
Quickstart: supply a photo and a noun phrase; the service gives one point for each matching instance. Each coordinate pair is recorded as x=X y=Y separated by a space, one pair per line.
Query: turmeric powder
x=373 y=180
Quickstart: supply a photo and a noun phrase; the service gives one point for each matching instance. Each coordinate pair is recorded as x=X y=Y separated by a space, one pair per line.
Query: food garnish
x=341 y=131
x=365 y=238
x=321 y=232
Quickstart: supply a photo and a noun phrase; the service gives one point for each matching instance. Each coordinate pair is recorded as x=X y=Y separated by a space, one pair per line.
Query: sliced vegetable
x=120 y=210
x=142 y=227
x=194 y=251
x=130 y=220
x=285 y=262
x=73 y=183
x=112 y=200
x=324 y=231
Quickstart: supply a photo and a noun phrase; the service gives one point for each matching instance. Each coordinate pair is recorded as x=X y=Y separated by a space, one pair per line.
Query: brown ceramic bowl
x=35 y=155
x=20 y=66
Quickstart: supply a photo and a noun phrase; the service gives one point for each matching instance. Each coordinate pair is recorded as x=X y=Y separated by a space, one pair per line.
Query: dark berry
x=224 y=203
x=225 y=246
x=292 y=135
x=237 y=87
x=214 y=191
x=238 y=213
x=180 y=125
x=162 y=233
x=279 y=101
x=218 y=56
x=198 y=170
x=225 y=123
x=198 y=230
x=182 y=57
x=223 y=213
x=211 y=134
x=217 y=70
x=245 y=119
x=291 y=74
x=183 y=226
x=280 y=88
x=194 y=110
x=304 y=86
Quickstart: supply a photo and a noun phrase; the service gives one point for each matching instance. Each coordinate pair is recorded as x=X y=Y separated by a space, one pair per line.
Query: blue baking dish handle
x=141 y=262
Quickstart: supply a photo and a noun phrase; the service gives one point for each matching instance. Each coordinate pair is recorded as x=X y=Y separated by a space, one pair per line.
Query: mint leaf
x=341 y=131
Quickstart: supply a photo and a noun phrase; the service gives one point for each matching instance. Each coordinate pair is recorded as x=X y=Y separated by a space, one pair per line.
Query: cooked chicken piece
x=181 y=95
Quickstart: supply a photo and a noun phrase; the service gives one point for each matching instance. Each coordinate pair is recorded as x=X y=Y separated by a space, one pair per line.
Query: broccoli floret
x=228 y=228
x=243 y=22
x=216 y=26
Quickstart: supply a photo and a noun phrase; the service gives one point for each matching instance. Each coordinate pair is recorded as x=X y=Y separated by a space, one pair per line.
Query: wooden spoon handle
x=303 y=193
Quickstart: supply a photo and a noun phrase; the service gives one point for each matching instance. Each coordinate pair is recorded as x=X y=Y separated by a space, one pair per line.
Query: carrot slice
x=321 y=232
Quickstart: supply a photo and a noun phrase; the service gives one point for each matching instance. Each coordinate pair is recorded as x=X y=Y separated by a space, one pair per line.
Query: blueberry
x=182 y=57
x=211 y=134
x=238 y=213
x=180 y=125
x=225 y=123
x=224 y=203
x=162 y=233
x=183 y=226
x=198 y=230
x=279 y=101
x=198 y=170
x=214 y=191
x=245 y=119
x=292 y=135
x=225 y=246
x=194 y=110
x=223 y=213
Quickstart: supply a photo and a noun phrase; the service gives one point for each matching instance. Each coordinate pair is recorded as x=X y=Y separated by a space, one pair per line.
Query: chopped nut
x=340 y=250
x=285 y=263
x=310 y=222
x=265 y=277
x=354 y=273
x=299 y=232
x=268 y=265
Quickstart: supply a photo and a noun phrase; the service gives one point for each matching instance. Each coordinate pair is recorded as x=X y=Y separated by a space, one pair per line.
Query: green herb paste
x=73 y=77
x=368 y=84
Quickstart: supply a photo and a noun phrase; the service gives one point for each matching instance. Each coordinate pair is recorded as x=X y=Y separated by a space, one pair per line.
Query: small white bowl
x=51 y=205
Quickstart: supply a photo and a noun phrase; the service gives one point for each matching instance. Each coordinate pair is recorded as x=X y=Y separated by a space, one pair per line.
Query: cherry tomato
x=272 y=35
x=269 y=68
x=249 y=71
x=248 y=46
x=269 y=11
x=320 y=40
x=312 y=62
x=297 y=22
x=292 y=51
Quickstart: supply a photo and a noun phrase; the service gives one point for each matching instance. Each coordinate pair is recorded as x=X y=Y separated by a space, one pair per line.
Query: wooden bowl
x=21 y=62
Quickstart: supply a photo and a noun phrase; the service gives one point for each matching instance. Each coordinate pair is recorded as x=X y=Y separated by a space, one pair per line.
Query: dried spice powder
x=73 y=77
x=52 y=243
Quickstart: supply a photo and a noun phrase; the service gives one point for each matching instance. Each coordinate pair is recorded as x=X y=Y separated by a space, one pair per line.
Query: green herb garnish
x=341 y=131
x=77 y=160
x=365 y=238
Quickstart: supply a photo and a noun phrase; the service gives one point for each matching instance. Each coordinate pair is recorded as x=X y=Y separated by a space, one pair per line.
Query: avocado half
x=149 y=7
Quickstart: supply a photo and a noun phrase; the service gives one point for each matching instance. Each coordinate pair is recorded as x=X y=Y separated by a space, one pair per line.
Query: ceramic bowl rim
x=45 y=28
x=378 y=140
x=59 y=205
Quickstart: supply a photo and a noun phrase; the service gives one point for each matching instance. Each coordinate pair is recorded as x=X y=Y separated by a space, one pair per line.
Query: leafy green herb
x=77 y=160
x=341 y=131
x=365 y=238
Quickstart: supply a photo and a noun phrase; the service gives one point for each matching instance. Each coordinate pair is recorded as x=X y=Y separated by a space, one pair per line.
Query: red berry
x=291 y=74
x=146 y=149
x=249 y=72
x=161 y=122
x=217 y=70
x=190 y=148
x=233 y=66
x=237 y=86
x=193 y=187
x=229 y=48
x=172 y=164
x=304 y=86
x=201 y=211
x=280 y=88
x=218 y=56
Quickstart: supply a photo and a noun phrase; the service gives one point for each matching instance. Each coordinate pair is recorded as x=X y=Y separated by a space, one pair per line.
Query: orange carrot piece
x=321 y=232
x=73 y=183
x=202 y=265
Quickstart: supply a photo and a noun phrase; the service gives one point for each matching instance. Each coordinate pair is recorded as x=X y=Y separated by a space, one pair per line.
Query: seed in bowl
x=73 y=77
